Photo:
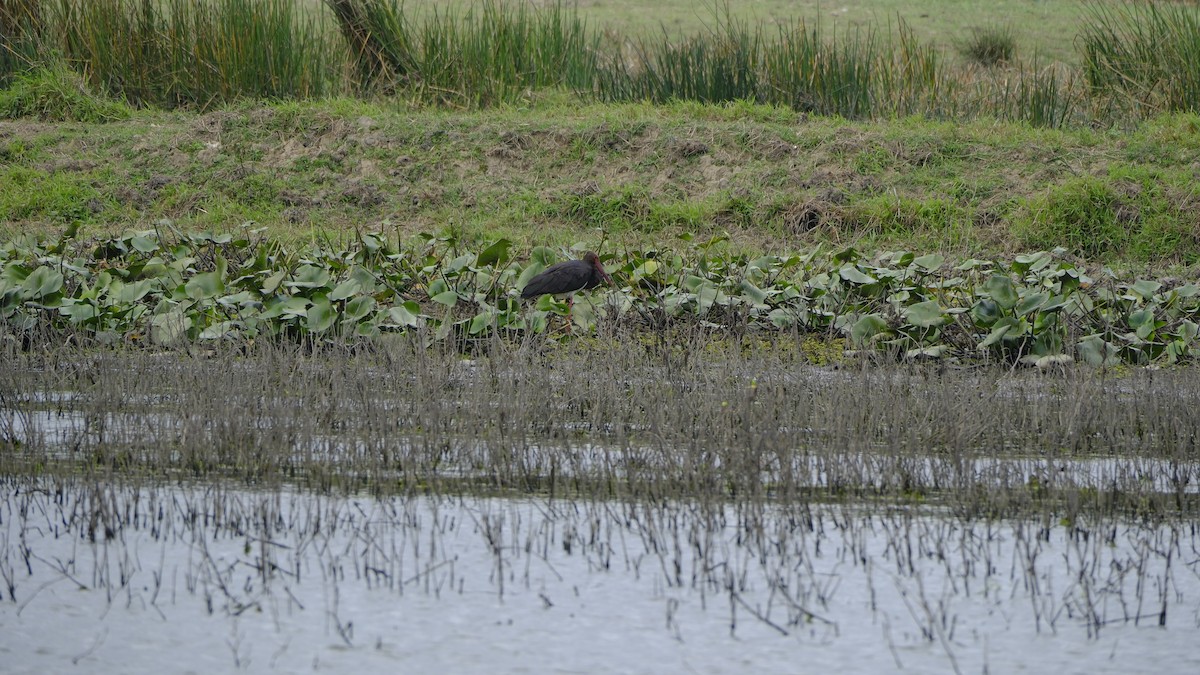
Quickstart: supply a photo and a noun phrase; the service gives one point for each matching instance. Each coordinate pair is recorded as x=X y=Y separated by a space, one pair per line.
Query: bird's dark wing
x=563 y=277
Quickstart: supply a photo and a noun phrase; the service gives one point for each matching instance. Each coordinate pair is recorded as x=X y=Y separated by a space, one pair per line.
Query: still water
x=101 y=577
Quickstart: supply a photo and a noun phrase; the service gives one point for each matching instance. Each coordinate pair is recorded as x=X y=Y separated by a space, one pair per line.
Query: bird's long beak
x=600 y=268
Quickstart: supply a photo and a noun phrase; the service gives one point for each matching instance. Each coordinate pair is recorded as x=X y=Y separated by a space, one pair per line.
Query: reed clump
x=203 y=53
x=195 y=53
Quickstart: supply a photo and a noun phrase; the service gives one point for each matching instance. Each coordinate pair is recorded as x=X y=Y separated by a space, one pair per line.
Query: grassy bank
x=557 y=174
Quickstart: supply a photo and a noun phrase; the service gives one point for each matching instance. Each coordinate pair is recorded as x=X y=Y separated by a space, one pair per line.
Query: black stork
x=565 y=278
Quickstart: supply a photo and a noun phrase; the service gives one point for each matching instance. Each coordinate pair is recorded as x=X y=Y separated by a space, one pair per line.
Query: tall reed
x=22 y=30
x=195 y=52
x=492 y=53
x=198 y=53
x=1146 y=54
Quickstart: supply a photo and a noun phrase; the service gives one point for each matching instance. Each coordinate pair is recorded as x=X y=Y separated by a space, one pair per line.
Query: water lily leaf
x=756 y=295
x=309 y=276
x=1054 y=303
x=14 y=274
x=542 y=255
x=287 y=306
x=766 y=263
x=646 y=269
x=1187 y=331
x=1031 y=302
x=926 y=314
x=217 y=331
x=1146 y=331
x=782 y=318
x=856 y=276
x=241 y=300
x=973 y=263
x=1051 y=360
x=480 y=323
x=79 y=312
x=271 y=283
x=706 y=296
x=494 y=254
x=1031 y=262
x=547 y=303
x=1145 y=289
x=1094 y=351
x=1140 y=318
x=406 y=314
x=1046 y=342
x=1001 y=289
x=929 y=262
x=359 y=307
x=43 y=282
x=868 y=327
x=934 y=352
x=129 y=293
x=345 y=289
x=538 y=323
x=986 y=312
x=144 y=243
x=695 y=284
x=320 y=316
x=847 y=255
x=447 y=298
x=583 y=316
x=169 y=327
x=204 y=286
x=1001 y=329
x=460 y=263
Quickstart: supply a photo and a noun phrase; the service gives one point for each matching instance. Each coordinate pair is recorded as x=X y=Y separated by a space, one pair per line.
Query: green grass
x=51 y=198
x=1131 y=210
x=558 y=173
x=57 y=95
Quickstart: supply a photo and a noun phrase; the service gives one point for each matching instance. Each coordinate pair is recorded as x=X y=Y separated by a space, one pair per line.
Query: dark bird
x=565 y=278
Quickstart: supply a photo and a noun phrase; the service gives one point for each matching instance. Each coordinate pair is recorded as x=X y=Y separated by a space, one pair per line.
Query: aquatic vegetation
x=142 y=288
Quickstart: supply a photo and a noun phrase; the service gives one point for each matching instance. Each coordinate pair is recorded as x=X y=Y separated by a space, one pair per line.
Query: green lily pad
x=1031 y=302
x=930 y=262
x=856 y=276
x=447 y=298
x=986 y=312
x=868 y=328
x=43 y=282
x=1145 y=289
x=926 y=314
x=1001 y=289
x=320 y=316
x=204 y=286
x=497 y=253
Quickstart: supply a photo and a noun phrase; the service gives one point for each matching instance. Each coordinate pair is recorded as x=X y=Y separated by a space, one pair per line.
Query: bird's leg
x=570 y=312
